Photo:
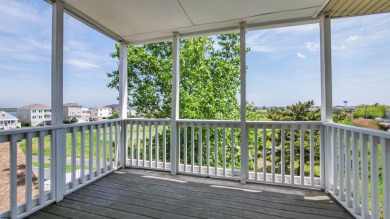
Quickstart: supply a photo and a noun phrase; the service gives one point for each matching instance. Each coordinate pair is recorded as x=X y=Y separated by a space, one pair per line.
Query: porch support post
x=57 y=98
x=123 y=92
x=244 y=131
x=326 y=100
x=175 y=103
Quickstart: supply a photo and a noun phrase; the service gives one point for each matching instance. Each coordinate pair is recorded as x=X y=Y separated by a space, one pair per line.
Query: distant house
x=99 y=113
x=75 y=110
x=34 y=115
x=8 y=121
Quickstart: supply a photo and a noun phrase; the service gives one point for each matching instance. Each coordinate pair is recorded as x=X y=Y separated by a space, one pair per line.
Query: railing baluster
x=105 y=147
x=150 y=145
x=273 y=154
x=232 y=151
x=41 y=168
x=256 y=152
x=208 y=148
x=200 y=148
x=292 y=154
x=138 y=144
x=334 y=155
x=131 y=143
x=341 y=163
x=185 y=147
x=28 y=179
x=364 y=154
x=91 y=152
x=117 y=144
x=374 y=176
x=355 y=166
x=143 y=144
x=98 y=170
x=264 y=155
x=224 y=152
x=73 y=158
x=348 y=167
x=386 y=176
x=13 y=176
x=111 y=163
x=192 y=148
x=312 y=156
x=82 y=155
x=164 y=146
x=156 y=142
x=216 y=149
x=302 y=155
x=283 y=152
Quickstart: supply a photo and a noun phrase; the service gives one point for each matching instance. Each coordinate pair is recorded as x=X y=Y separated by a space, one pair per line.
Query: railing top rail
x=376 y=133
x=147 y=119
x=208 y=121
x=284 y=122
x=27 y=130
x=90 y=123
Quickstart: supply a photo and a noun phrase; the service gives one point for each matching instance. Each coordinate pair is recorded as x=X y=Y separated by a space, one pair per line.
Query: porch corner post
x=123 y=92
x=244 y=132
x=57 y=98
x=174 y=156
x=326 y=98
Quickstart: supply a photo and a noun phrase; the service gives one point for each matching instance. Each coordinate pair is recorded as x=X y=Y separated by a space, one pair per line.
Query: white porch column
x=326 y=69
x=123 y=92
x=57 y=98
x=244 y=131
x=175 y=103
x=327 y=160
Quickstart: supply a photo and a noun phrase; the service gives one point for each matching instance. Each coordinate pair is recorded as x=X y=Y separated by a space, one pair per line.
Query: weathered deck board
x=131 y=193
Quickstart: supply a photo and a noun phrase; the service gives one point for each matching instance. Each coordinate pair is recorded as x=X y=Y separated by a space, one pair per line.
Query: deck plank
x=134 y=193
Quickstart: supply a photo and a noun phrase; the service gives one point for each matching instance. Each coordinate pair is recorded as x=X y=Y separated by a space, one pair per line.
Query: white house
x=75 y=110
x=99 y=113
x=34 y=115
x=8 y=121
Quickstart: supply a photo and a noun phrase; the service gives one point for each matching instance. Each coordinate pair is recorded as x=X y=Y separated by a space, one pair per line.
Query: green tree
x=370 y=111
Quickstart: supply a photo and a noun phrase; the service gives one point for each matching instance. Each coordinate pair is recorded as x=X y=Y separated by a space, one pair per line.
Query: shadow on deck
x=131 y=193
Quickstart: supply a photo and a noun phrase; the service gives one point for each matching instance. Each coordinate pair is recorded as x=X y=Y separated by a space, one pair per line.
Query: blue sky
x=284 y=63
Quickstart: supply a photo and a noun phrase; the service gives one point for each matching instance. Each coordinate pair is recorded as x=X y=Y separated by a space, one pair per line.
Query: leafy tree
x=370 y=111
x=73 y=120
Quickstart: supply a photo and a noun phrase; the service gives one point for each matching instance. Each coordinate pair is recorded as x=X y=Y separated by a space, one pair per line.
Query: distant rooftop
x=72 y=105
x=7 y=116
x=35 y=106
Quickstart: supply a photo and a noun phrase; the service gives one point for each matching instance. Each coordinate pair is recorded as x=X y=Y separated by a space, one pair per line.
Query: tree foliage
x=209 y=78
x=370 y=111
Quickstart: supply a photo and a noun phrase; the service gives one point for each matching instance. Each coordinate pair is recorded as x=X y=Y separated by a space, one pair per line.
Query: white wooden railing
x=353 y=159
x=341 y=159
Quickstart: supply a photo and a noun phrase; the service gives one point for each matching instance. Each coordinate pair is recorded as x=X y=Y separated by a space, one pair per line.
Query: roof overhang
x=146 y=21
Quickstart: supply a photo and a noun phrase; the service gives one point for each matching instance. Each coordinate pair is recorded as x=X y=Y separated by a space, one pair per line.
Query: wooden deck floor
x=133 y=193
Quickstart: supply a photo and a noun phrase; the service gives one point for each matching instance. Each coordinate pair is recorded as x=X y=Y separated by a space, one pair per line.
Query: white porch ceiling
x=145 y=21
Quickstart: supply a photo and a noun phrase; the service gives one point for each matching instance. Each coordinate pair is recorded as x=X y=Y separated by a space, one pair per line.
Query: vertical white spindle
x=374 y=176
x=41 y=168
x=323 y=157
x=335 y=147
x=264 y=154
x=138 y=143
x=224 y=151
x=341 y=163
x=302 y=155
x=200 y=149
x=105 y=147
x=28 y=179
x=82 y=155
x=192 y=147
x=208 y=148
x=131 y=143
x=216 y=149
x=273 y=154
x=232 y=151
x=91 y=152
x=98 y=168
x=283 y=154
x=348 y=167
x=157 y=152
x=312 y=152
x=364 y=154
x=73 y=158
x=13 y=176
x=355 y=166
x=110 y=147
x=292 y=154
x=143 y=144
x=117 y=144
x=150 y=145
x=164 y=145
x=256 y=152
x=185 y=147
x=386 y=176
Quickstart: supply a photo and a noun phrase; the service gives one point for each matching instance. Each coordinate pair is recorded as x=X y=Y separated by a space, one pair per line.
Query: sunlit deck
x=132 y=193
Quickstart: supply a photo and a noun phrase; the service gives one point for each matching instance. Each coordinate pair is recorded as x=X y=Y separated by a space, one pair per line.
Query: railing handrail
x=366 y=131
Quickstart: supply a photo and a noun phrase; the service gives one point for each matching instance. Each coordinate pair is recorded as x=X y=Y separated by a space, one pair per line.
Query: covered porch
x=148 y=167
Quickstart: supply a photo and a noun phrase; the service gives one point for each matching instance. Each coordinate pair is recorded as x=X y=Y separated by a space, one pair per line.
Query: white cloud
x=300 y=55
x=353 y=38
x=311 y=46
x=341 y=47
x=81 y=64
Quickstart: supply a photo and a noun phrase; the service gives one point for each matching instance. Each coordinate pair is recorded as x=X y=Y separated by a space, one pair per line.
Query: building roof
x=6 y=116
x=146 y=21
x=72 y=105
x=35 y=107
